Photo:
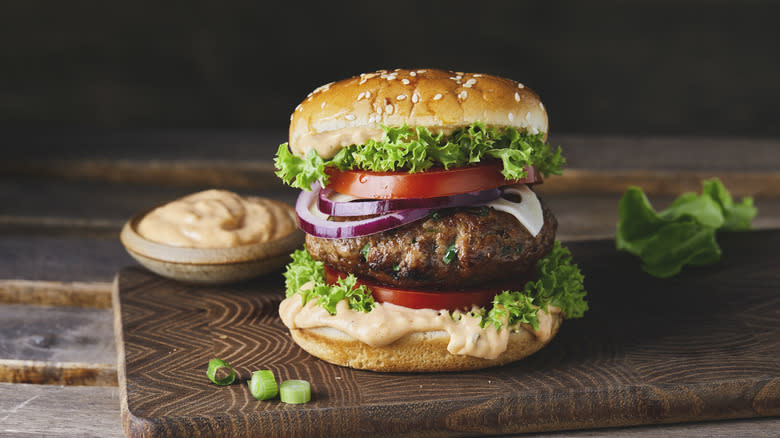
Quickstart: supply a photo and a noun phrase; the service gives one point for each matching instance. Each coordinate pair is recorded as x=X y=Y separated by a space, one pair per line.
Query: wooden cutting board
x=703 y=345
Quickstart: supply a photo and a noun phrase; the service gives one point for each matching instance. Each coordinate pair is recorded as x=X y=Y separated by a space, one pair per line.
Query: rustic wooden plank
x=661 y=182
x=255 y=175
x=756 y=428
x=57 y=345
x=36 y=410
x=260 y=176
x=250 y=149
x=55 y=293
x=105 y=206
x=49 y=410
x=57 y=373
x=59 y=259
x=714 y=354
x=157 y=158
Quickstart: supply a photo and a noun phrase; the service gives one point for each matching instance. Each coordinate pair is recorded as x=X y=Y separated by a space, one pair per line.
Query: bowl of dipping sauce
x=213 y=237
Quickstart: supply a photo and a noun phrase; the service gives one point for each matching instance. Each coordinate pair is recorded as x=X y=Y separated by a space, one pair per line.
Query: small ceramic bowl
x=208 y=265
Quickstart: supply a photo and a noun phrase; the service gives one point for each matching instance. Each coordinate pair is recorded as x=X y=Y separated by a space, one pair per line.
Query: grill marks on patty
x=456 y=248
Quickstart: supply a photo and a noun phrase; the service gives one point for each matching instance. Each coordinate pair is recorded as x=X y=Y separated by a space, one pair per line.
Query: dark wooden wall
x=638 y=68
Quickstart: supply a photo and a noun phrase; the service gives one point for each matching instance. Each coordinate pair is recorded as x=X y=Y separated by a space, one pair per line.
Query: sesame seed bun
x=416 y=352
x=352 y=111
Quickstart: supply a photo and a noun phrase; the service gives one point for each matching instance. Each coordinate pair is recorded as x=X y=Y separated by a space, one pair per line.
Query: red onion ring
x=382 y=206
x=318 y=225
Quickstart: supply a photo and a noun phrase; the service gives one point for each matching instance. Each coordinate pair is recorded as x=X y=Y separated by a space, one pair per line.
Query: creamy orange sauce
x=387 y=323
x=216 y=219
x=328 y=143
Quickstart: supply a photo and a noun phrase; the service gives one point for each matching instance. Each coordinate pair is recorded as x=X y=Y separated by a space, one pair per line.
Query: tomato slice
x=425 y=299
x=428 y=184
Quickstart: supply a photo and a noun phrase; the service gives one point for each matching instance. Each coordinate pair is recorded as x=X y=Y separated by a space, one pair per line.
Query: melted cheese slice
x=528 y=211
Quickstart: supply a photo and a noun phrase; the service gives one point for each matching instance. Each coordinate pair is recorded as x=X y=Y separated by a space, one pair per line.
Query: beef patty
x=456 y=248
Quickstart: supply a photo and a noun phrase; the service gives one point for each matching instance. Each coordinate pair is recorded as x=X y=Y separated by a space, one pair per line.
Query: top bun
x=351 y=111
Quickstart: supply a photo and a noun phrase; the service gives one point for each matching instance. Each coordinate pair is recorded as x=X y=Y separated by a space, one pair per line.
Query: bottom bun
x=416 y=352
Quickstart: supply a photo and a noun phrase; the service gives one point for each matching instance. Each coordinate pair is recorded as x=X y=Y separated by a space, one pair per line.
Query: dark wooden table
x=65 y=195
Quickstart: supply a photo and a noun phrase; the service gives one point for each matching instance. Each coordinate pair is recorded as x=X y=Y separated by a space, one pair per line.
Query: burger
x=426 y=247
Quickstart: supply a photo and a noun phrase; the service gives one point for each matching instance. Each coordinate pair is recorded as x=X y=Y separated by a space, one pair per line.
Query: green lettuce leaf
x=559 y=284
x=684 y=233
x=306 y=277
x=415 y=150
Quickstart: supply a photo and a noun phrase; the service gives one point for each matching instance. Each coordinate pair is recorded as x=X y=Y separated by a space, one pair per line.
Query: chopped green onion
x=451 y=254
x=295 y=391
x=263 y=385
x=214 y=366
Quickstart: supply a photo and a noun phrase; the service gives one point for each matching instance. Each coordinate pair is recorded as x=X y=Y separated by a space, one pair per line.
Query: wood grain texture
x=55 y=293
x=56 y=345
x=59 y=411
x=68 y=411
x=704 y=345
x=58 y=373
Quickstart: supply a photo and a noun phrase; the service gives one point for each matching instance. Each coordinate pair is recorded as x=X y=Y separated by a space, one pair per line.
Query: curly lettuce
x=684 y=233
x=306 y=277
x=417 y=149
x=559 y=283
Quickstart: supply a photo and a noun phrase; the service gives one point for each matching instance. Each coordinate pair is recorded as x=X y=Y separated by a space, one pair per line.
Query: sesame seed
x=511 y=117
x=298 y=108
x=478 y=75
x=528 y=116
x=361 y=95
x=323 y=88
x=415 y=97
x=366 y=76
x=322 y=105
x=470 y=82
x=412 y=73
x=373 y=118
x=517 y=97
x=389 y=109
x=541 y=105
x=437 y=96
x=350 y=117
x=291 y=117
x=422 y=71
x=405 y=81
x=463 y=95
x=401 y=97
x=519 y=85
x=379 y=109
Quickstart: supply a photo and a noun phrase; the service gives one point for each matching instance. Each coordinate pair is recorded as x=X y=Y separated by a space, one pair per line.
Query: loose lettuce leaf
x=415 y=150
x=682 y=234
x=559 y=284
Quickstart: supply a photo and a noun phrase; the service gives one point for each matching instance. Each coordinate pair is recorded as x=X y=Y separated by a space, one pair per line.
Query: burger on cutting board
x=426 y=247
